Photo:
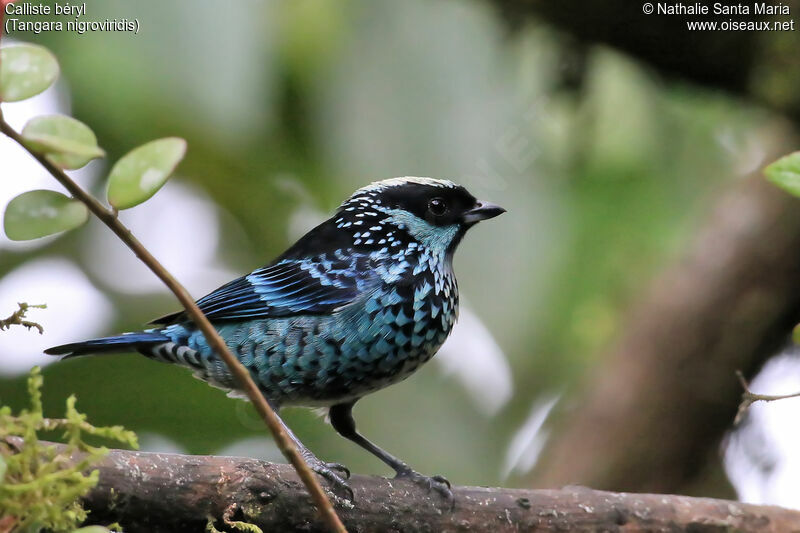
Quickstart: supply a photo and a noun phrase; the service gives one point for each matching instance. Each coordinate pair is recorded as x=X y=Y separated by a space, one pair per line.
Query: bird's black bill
x=482 y=211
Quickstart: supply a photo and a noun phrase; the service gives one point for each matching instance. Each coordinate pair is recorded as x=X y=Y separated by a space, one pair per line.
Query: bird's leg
x=341 y=417
x=334 y=473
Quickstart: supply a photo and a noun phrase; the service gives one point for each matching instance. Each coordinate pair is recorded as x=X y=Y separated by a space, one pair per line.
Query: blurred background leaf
x=785 y=173
x=41 y=213
x=68 y=143
x=25 y=71
x=140 y=173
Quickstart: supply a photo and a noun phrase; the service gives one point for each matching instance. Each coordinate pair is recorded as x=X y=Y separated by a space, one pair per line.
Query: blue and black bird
x=357 y=304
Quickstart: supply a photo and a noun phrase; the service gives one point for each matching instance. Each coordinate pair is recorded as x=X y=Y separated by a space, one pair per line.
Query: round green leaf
x=785 y=173
x=40 y=213
x=143 y=171
x=25 y=71
x=67 y=142
x=3 y=468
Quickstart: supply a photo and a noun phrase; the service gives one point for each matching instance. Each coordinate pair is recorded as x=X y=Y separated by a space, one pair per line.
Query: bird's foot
x=339 y=468
x=437 y=483
x=335 y=474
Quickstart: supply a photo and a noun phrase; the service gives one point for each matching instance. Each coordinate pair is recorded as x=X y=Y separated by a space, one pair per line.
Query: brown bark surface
x=152 y=492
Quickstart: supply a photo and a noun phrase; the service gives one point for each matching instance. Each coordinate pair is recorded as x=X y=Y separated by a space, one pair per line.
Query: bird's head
x=435 y=213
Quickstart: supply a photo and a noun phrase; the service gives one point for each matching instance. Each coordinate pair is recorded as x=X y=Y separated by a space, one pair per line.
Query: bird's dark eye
x=437 y=206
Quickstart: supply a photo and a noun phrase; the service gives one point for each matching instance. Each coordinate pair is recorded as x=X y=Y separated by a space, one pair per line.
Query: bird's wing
x=289 y=287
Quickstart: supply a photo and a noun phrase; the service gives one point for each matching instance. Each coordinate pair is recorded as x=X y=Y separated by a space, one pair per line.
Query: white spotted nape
x=381 y=185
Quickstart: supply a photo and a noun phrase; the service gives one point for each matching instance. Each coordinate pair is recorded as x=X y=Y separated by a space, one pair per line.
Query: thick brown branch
x=156 y=492
x=662 y=399
x=240 y=373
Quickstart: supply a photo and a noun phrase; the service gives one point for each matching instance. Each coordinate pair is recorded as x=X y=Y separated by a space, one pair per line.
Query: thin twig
x=240 y=373
x=749 y=398
x=17 y=318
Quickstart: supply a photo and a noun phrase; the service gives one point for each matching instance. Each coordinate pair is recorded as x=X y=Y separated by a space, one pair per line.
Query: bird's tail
x=120 y=343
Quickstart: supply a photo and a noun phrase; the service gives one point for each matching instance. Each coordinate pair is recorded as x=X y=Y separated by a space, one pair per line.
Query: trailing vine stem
x=240 y=373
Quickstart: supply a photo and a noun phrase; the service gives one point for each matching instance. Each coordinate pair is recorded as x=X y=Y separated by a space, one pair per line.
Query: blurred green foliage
x=603 y=180
x=785 y=173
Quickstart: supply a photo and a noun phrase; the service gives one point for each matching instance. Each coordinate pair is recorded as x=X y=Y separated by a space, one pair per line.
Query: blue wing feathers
x=287 y=288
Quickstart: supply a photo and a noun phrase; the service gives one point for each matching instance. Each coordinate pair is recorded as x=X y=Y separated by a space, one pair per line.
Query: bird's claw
x=336 y=481
x=437 y=479
x=436 y=483
x=342 y=470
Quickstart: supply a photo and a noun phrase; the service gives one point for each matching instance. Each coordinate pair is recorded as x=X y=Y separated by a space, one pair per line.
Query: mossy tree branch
x=157 y=492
